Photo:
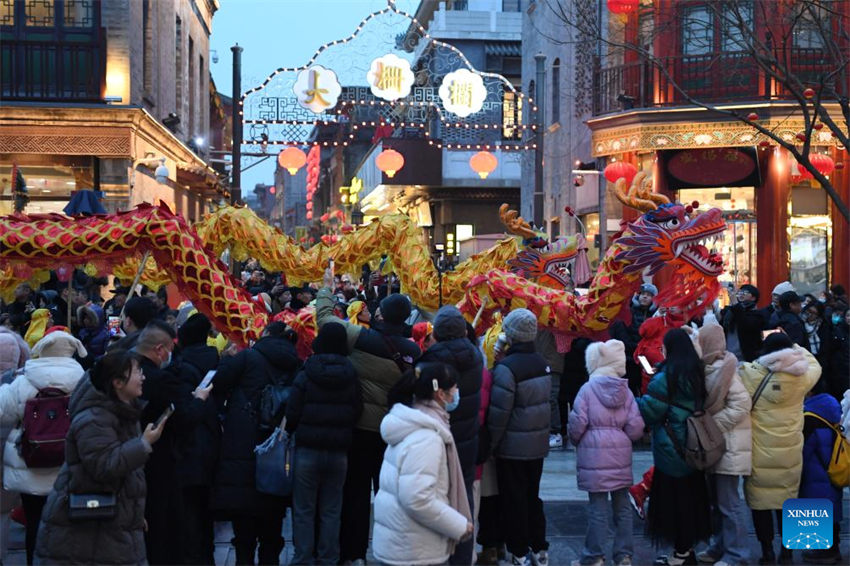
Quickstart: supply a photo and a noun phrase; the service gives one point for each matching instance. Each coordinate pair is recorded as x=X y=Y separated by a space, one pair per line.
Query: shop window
x=736 y=27
x=39 y=13
x=49 y=187
x=7 y=12
x=809 y=241
x=810 y=19
x=79 y=13
x=511 y=114
x=697 y=30
x=591 y=225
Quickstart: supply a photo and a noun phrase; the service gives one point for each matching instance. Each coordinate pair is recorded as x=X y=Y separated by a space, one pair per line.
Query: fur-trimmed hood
x=789 y=360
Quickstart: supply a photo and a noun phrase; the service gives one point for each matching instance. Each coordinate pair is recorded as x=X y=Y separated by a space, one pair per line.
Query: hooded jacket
x=729 y=404
x=370 y=352
x=777 y=420
x=462 y=354
x=104 y=453
x=324 y=403
x=94 y=339
x=413 y=519
x=239 y=381
x=817 y=452
x=518 y=420
x=603 y=423
x=61 y=373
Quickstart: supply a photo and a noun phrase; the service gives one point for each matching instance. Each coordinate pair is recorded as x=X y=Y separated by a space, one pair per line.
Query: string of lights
x=374 y=123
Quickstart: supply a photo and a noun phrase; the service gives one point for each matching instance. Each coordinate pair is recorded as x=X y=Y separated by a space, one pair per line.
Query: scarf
x=814 y=339
x=726 y=368
x=457 y=489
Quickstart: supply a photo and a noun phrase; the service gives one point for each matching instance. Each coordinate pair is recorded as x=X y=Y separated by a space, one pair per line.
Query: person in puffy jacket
x=14 y=353
x=814 y=480
x=52 y=367
x=322 y=409
x=788 y=372
x=378 y=354
x=603 y=424
x=421 y=510
x=678 y=499
x=257 y=518
x=728 y=402
x=453 y=347
x=518 y=423
x=93 y=332
x=105 y=453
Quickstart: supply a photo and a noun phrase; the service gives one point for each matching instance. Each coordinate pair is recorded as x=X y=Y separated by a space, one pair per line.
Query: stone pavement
x=566 y=513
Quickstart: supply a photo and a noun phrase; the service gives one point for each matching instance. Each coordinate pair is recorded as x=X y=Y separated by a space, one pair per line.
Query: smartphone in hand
x=165 y=414
x=207 y=379
x=647 y=367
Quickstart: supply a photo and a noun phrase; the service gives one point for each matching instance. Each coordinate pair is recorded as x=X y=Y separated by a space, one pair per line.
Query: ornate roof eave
x=651 y=129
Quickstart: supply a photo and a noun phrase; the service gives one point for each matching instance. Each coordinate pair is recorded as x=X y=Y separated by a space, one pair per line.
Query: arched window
x=556 y=91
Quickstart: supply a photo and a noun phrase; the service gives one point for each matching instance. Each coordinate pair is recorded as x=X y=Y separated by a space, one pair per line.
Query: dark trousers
x=489 y=523
x=763 y=523
x=164 y=513
x=317 y=503
x=463 y=550
x=361 y=479
x=266 y=530
x=521 y=509
x=197 y=526
x=33 y=505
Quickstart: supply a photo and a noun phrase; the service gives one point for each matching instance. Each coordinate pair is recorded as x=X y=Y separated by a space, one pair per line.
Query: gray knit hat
x=520 y=326
x=449 y=323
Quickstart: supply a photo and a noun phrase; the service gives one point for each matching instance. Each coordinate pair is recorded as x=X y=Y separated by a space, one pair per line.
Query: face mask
x=836 y=318
x=166 y=363
x=452 y=405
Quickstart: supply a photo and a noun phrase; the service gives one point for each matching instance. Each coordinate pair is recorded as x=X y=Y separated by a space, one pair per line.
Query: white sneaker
x=625 y=561
x=705 y=557
x=540 y=558
x=556 y=441
x=519 y=561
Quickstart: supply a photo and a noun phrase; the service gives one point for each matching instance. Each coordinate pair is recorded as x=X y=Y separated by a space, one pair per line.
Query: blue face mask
x=452 y=405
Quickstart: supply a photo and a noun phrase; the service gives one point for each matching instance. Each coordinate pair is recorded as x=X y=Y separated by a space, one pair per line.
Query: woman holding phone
x=105 y=455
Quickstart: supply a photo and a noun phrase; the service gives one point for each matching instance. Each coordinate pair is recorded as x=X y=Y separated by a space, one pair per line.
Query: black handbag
x=92 y=506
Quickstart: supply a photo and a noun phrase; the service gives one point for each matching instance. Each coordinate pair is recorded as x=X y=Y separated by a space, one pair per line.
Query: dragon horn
x=647 y=193
x=515 y=223
x=628 y=198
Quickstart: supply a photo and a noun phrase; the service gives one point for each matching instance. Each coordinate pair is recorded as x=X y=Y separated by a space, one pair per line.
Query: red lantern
x=64 y=273
x=818 y=126
x=623 y=6
x=340 y=214
x=347 y=228
x=839 y=166
x=324 y=217
x=802 y=137
x=292 y=159
x=620 y=169
x=390 y=161
x=752 y=116
x=309 y=215
x=809 y=92
x=823 y=163
x=309 y=205
x=483 y=163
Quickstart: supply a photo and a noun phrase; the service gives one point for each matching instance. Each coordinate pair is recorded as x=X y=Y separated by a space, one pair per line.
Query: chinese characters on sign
x=463 y=92
x=317 y=89
x=390 y=77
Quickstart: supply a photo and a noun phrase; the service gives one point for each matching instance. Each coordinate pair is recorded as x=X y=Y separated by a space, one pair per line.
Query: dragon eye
x=672 y=223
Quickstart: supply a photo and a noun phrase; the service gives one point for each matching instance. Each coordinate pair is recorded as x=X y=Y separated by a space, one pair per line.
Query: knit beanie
x=449 y=323
x=59 y=345
x=395 y=309
x=520 y=326
x=783 y=287
x=649 y=288
x=712 y=342
x=332 y=339
x=606 y=359
x=194 y=331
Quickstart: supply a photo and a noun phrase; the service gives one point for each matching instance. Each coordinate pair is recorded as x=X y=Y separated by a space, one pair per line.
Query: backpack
x=44 y=427
x=271 y=405
x=704 y=442
x=839 y=462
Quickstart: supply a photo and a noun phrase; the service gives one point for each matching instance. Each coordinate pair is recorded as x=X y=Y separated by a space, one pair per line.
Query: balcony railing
x=53 y=70
x=711 y=77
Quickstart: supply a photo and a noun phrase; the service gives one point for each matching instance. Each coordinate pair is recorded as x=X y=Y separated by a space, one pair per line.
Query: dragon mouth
x=558 y=269
x=695 y=251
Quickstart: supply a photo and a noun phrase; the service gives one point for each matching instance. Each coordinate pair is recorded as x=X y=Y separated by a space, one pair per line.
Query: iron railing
x=53 y=70
x=710 y=77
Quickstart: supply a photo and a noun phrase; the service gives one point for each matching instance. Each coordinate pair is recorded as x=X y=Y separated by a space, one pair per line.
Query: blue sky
x=278 y=33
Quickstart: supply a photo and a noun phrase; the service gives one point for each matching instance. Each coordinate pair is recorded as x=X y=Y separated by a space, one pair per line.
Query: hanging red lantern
x=292 y=159
x=309 y=215
x=823 y=163
x=324 y=217
x=309 y=205
x=347 y=228
x=624 y=7
x=809 y=92
x=390 y=161
x=839 y=166
x=619 y=170
x=64 y=273
x=483 y=163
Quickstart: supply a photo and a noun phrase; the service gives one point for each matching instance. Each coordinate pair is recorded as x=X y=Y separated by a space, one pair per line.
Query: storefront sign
x=390 y=77
x=317 y=89
x=463 y=92
x=717 y=167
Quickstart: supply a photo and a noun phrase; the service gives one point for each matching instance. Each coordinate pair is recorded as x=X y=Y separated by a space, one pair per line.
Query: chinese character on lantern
x=390 y=77
x=317 y=89
x=463 y=92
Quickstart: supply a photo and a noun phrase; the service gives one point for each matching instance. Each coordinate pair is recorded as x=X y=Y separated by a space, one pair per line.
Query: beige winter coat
x=732 y=415
x=777 y=418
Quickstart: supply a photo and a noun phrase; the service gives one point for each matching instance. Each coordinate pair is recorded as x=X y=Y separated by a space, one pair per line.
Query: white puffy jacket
x=414 y=522
x=61 y=373
x=733 y=420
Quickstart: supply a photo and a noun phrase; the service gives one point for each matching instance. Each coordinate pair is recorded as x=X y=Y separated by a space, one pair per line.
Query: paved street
x=565 y=519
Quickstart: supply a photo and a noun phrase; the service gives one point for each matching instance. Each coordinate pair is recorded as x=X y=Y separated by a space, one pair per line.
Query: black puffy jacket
x=324 y=404
x=200 y=444
x=462 y=354
x=238 y=383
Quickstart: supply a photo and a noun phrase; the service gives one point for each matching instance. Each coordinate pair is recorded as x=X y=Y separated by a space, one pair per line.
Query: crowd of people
x=408 y=419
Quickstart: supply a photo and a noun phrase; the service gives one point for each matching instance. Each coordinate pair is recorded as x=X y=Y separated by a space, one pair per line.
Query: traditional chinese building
x=100 y=94
x=781 y=225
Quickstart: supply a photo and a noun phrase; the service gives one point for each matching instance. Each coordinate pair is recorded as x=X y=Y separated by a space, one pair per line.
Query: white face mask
x=166 y=363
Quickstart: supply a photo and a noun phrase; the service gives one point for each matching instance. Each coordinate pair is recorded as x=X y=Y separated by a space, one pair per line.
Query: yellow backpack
x=839 y=462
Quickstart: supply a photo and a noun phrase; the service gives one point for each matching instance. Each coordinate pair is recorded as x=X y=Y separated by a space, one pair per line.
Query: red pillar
x=840 y=268
x=772 y=252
